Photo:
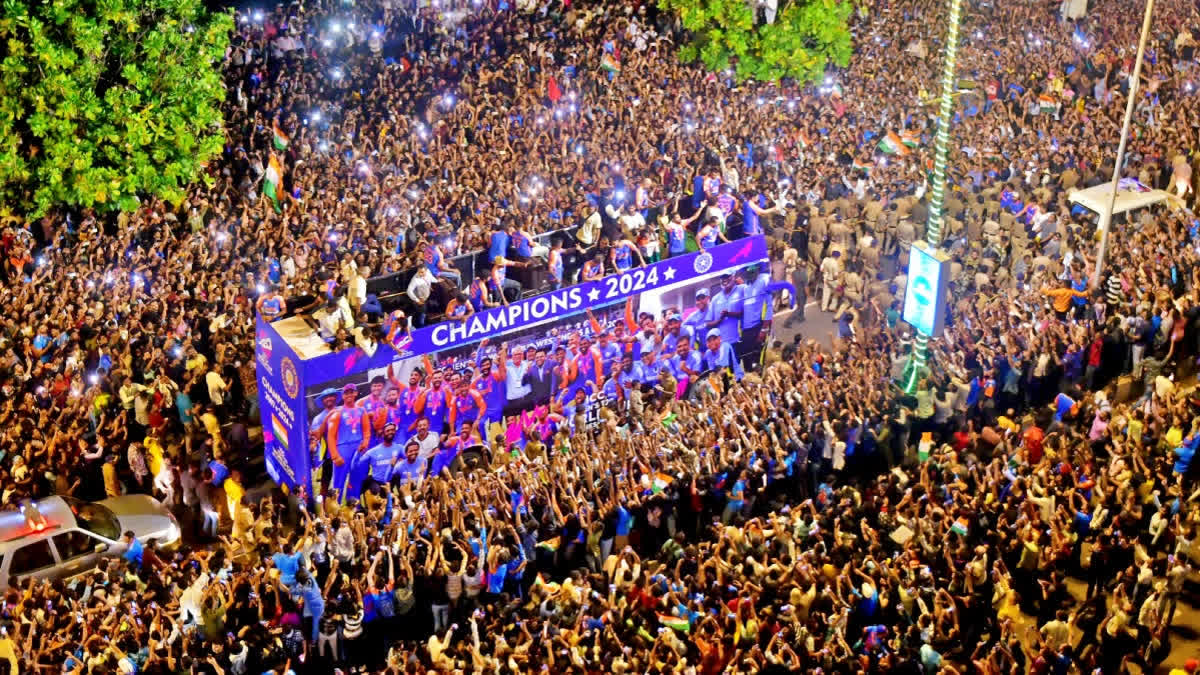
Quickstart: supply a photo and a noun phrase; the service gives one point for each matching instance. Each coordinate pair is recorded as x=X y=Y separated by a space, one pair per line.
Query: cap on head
x=713 y=332
x=702 y=293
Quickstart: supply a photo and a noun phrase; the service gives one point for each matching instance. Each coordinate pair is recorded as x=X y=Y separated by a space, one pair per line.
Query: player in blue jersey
x=376 y=463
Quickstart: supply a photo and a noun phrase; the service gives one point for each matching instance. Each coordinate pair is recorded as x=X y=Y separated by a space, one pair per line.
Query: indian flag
x=861 y=166
x=910 y=138
x=610 y=63
x=676 y=622
x=280 y=431
x=661 y=481
x=281 y=139
x=960 y=527
x=1047 y=103
x=272 y=181
x=891 y=144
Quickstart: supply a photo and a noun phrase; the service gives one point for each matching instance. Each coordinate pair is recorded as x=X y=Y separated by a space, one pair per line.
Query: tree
x=106 y=101
x=806 y=36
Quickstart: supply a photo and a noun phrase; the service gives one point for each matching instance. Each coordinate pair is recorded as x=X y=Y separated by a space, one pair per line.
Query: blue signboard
x=925 y=295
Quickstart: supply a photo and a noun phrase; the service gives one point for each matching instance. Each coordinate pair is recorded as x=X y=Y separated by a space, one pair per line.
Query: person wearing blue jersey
x=479 y=294
x=677 y=229
x=450 y=450
x=709 y=233
x=720 y=356
x=696 y=323
x=499 y=241
x=758 y=308
x=554 y=262
x=317 y=439
x=727 y=310
x=494 y=384
x=685 y=365
x=754 y=208
x=373 y=405
x=610 y=351
x=271 y=305
x=622 y=253
x=346 y=431
x=646 y=371
x=411 y=469
x=673 y=331
x=410 y=401
x=377 y=463
x=467 y=406
x=435 y=402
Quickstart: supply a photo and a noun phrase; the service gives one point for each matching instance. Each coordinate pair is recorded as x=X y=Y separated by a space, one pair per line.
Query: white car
x=60 y=537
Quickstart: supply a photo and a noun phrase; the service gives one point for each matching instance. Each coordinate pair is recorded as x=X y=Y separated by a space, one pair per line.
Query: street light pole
x=1107 y=214
x=918 y=361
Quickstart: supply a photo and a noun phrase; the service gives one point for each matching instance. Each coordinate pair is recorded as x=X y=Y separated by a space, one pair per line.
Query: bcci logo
x=291 y=381
x=703 y=263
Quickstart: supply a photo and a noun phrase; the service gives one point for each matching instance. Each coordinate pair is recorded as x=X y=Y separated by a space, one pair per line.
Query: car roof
x=55 y=510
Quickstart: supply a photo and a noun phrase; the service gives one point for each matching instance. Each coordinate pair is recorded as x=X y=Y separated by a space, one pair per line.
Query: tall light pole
x=1107 y=214
x=918 y=362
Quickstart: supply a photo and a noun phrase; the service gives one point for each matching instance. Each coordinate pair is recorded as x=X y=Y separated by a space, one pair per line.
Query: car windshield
x=95 y=518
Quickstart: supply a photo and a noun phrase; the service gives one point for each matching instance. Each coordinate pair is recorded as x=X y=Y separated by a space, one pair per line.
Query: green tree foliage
x=105 y=101
x=806 y=36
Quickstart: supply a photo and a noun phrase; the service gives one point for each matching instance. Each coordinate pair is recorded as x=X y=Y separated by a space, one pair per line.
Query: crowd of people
x=801 y=515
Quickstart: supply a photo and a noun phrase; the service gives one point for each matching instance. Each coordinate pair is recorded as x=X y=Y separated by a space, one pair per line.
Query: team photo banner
x=543 y=308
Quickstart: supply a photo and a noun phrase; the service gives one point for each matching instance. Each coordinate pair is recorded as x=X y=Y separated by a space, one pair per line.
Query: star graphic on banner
x=669 y=274
x=594 y=294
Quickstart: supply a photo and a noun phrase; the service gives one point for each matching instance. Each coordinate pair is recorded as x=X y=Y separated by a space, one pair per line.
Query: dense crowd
x=800 y=517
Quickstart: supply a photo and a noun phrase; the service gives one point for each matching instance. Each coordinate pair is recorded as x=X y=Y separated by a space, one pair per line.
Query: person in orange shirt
x=1061 y=298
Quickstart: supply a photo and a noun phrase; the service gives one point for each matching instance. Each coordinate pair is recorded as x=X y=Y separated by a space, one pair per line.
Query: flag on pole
x=891 y=144
x=272 y=181
x=675 y=622
x=281 y=139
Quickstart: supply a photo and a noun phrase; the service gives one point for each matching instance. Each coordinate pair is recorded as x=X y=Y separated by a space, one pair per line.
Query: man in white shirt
x=419 y=288
x=216 y=386
x=427 y=441
x=358 y=286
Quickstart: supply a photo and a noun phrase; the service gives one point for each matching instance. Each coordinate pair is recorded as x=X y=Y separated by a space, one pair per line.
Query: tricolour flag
x=272 y=181
x=281 y=139
x=891 y=144
x=861 y=166
x=661 y=481
x=960 y=527
x=676 y=622
x=910 y=138
x=1047 y=103
x=280 y=431
x=610 y=63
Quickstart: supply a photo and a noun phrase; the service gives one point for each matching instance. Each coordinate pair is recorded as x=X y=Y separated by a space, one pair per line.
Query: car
x=62 y=537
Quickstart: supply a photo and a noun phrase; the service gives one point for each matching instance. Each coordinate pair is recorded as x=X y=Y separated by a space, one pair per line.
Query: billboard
x=925 y=294
x=570 y=353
